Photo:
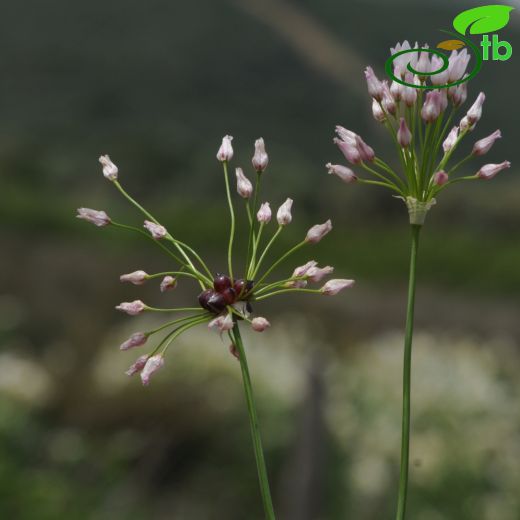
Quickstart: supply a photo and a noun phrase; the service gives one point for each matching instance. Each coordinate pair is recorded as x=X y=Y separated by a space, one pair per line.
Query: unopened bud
x=475 y=112
x=440 y=178
x=132 y=308
x=264 y=213
x=490 y=170
x=110 y=170
x=404 y=136
x=375 y=87
x=260 y=158
x=365 y=151
x=451 y=139
x=156 y=230
x=153 y=364
x=244 y=186
x=377 y=111
x=137 y=339
x=138 y=365
x=98 y=218
x=333 y=287
x=284 y=216
x=259 y=324
x=484 y=145
x=137 y=277
x=168 y=283
x=344 y=173
x=317 y=232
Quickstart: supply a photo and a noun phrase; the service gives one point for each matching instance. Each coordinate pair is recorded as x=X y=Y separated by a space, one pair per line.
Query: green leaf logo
x=482 y=20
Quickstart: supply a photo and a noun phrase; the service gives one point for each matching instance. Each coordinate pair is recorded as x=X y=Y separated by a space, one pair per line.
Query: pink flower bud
x=225 y=152
x=346 y=135
x=260 y=158
x=333 y=287
x=153 y=364
x=409 y=94
x=303 y=269
x=490 y=170
x=284 y=216
x=465 y=125
x=132 y=308
x=157 y=231
x=440 y=178
x=138 y=365
x=98 y=218
x=442 y=77
x=475 y=112
x=259 y=324
x=317 y=232
x=244 y=186
x=484 y=145
x=388 y=101
x=344 y=173
x=221 y=323
x=378 y=112
x=396 y=89
x=451 y=139
x=458 y=62
x=432 y=106
x=135 y=340
x=458 y=94
x=365 y=151
x=375 y=87
x=137 y=277
x=423 y=64
x=110 y=170
x=264 y=213
x=168 y=283
x=350 y=151
x=316 y=274
x=404 y=136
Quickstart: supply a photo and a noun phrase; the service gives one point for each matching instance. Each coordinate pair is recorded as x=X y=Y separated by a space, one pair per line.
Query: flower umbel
x=223 y=300
x=420 y=122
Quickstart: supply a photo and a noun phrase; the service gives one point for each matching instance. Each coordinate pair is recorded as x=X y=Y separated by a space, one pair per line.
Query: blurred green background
x=156 y=85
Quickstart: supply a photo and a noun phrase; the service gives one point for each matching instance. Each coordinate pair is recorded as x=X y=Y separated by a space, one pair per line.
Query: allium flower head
x=224 y=299
x=419 y=118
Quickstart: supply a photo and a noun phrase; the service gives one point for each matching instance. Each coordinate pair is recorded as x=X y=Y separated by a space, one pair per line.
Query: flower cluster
x=419 y=117
x=223 y=299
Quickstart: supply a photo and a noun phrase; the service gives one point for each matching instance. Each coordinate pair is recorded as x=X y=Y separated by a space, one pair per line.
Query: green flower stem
x=253 y=273
x=448 y=155
x=177 y=309
x=253 y=419
x=405 y=436
x=380 y=176
x=175 y=322
x=232 y=216
x=202 y=279
x=380 y=183
x=460 y=163
x=292 y=289
x=180 y=330
x=252 y=224
x=389 y=170
x=279 y=283
x=176 y=243
x=280 y=260
x=256 y=241
x=170 y=273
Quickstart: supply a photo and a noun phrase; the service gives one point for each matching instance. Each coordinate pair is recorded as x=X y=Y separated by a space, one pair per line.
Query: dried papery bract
x=221 y=300
x=421 y=124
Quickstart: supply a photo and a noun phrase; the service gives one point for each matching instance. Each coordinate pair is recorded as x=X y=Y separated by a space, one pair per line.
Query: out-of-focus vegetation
x=156 y=85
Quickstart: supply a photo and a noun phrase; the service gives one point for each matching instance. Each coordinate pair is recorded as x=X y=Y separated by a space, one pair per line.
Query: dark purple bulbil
x=225 y=292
